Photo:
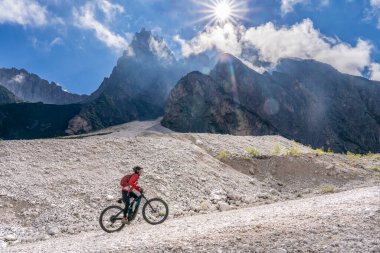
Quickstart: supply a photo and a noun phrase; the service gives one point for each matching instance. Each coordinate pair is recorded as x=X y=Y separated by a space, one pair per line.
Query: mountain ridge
x=30 y=87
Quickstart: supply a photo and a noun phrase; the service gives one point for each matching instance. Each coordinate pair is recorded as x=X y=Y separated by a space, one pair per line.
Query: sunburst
x=222 y=11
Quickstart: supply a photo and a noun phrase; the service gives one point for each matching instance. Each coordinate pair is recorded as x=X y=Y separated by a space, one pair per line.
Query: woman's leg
x=126 y=200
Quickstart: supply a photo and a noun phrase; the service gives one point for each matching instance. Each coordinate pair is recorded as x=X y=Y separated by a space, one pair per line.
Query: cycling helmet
x=137 y=168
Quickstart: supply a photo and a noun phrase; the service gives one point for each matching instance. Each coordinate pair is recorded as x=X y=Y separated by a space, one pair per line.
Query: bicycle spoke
x=156 y=211
x=110 y=219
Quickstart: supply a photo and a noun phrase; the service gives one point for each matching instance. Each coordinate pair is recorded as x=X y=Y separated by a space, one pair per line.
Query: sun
x=222 y=11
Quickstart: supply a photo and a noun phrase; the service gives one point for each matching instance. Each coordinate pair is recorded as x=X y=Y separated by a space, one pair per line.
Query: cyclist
x=129 y=184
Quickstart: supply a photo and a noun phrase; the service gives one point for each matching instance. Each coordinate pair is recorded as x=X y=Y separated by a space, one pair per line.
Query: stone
x=109 y=198
x=198 y=142
x=273 y=192
x=330 y=167
x=10 y=238
x=280 y=250
x=52 y=230
x=223 y=206
x=233 y=196
x=3 y=244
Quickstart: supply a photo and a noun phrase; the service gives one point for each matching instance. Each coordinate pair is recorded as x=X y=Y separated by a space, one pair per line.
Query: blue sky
x=77 y=43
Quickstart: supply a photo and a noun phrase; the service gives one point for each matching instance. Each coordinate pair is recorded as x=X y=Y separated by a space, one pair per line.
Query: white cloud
x=375 y=12
x=23 y=12
x=161 y=49
x=109 y=9
x=85 y=18
x=56 y=41
x=273 y=43
x=375 y=3
x=288 y=5
x=303 y=41
x=375 y=71
x=19 y=78
x=223 y=38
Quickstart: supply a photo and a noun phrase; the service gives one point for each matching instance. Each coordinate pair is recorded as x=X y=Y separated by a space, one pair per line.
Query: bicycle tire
x=148 y=204
x=117 y=210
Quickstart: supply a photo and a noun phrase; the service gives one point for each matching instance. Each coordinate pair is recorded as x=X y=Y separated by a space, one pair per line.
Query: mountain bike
x=154 y=211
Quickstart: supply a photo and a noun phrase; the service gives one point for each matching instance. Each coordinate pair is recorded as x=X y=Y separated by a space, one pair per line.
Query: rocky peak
x=146 y=46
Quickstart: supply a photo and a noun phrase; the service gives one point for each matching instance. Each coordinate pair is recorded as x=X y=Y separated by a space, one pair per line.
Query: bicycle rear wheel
x=155 y=211
x=110 y=219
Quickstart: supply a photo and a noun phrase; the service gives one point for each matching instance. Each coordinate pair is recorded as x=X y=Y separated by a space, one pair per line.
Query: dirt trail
x=342 y=222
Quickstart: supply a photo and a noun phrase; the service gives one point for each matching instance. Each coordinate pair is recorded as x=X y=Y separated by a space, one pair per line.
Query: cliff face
x=303 y=100
x=199 y=104
x=31 y=88
x=6 y=97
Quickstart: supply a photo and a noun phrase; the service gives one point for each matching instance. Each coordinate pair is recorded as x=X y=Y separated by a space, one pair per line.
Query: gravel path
x=342 y=222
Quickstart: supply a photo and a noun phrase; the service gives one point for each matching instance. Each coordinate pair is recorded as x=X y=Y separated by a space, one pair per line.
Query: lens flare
x=222 y=11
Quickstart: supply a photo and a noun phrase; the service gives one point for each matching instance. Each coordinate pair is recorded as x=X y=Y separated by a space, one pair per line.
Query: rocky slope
x=303 y=100
x=6 y=97
x=31 y=88
x=343 y=222
x=57 y=187
x=138 y=85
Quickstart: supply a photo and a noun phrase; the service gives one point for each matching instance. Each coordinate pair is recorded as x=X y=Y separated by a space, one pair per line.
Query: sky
x=76 y=43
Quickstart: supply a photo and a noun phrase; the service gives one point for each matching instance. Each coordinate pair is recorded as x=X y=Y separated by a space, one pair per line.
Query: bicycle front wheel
x=155 y=211
x=110 y=219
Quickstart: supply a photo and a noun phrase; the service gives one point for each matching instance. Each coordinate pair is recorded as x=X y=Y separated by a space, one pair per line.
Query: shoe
x=125 y=221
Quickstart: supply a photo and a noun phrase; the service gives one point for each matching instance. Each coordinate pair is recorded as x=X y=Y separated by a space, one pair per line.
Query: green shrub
x=352 y=156
x=293 y=151
x=276 y=150
x=319 y=151
x=203 y=206
x=370 y=155
x=223 y=155
x=327 y=189
x=252 y=152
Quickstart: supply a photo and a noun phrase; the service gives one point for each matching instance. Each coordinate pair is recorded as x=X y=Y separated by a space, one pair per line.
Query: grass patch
x=276 y=150
x=328 y=189
x=293 y=151
x=319 y=151
x=376 y=169
x=252 y=152
x=370 y=155
x=352 y=156
x=223 y=155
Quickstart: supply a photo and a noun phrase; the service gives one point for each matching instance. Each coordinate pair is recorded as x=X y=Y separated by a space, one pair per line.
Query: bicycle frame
x=138 y=201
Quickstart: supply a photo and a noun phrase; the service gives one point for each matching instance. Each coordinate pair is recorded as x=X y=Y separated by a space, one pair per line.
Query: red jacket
x=133 y=183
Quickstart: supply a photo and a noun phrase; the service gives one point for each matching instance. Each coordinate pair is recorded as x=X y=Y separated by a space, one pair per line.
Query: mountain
x=31 y=88
x=137 y=87
x=6 y=97
x=304 y=100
